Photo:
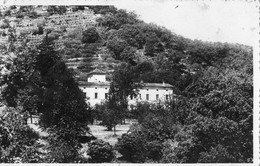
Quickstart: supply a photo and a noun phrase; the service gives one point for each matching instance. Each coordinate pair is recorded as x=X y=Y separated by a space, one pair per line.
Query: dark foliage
x=40 y=83
x=100 y=152
x=90 y=35
x=56 y=9
x=120 y=18
x=18 y=141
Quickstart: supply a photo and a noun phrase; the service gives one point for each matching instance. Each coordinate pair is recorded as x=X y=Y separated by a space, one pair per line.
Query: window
x=106 y=96
x=156 y=89
x=157 y=96
x=147 y=89
x=167 y=97
x=147 y=96
x=166 y=89
x=84 y=87
x=95 y=87
x=85 y=93
x=131 y=97
x=96 y=95
x=140 y=96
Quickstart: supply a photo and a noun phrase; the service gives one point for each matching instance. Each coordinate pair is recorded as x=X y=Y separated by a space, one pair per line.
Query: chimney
x=163 y=83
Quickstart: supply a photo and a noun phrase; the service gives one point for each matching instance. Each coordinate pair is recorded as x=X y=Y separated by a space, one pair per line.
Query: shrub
x=107 y=116
x=17 y=139
x=131 y=147
x=144 y=142
x=154 y=150
x=60 y=151
x=100 y=152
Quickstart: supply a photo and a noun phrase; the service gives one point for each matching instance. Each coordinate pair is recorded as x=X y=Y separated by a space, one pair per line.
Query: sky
x=208 y=20
x=218 y=21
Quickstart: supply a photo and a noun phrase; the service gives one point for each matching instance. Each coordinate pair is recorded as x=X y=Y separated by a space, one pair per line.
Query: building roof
x=84 y=83
x=97 y=71
x=145 y=85
x=164 y=85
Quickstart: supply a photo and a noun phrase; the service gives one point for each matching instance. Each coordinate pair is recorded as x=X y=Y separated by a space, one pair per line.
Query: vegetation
x=39 y=82
x=90 y=35
x=208 y=120
x=100 y=152
x=18 y=141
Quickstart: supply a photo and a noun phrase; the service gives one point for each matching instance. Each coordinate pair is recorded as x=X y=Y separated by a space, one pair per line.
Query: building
x=96 y=89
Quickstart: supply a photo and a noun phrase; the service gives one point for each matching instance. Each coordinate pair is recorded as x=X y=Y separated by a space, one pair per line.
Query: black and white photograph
x=119 y=82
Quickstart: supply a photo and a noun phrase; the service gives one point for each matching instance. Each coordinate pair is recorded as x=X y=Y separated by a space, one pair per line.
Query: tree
x=7 y=13
x=117 y=45
x=100 y=152
x=33 y=15
x=144 y=141
x=123 y=79
x=111 y=112
x=4 y=24
x=56 y=9
x=39 y=82
x=120 y=18
x=62 y=102
x=220 y=105
x=207 y=54
x=90 y=35
x=18 y=140
x=133 y=35
x=128 y=53
x=153 y=45
x=103 y=9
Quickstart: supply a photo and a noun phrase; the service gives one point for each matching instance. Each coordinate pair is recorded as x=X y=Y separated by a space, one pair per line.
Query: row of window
x=157 y=96
x=96 y=95
x=147 y=96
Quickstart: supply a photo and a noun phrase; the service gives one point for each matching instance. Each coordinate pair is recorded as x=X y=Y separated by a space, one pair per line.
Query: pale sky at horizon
x=231 y=21
x=223 y=21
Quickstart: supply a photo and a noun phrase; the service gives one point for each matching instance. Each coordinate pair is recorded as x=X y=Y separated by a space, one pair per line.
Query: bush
x=144 y=142
x=107 y=116
x=131 y=147
x=154 y=150
x=17 y=139
x=100 y=152
x=60 y=151
x=135 y=147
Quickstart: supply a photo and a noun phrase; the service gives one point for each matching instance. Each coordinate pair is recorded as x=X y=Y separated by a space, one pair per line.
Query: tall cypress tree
x=39 y=82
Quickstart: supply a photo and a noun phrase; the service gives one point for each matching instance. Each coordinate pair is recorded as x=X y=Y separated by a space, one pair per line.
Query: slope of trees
x=212 y=115
x=213 y=124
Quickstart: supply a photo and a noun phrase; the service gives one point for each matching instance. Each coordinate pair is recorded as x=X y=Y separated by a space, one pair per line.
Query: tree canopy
x=39 y=82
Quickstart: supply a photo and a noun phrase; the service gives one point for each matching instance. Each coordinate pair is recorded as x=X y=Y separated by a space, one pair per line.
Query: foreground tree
x=18 y=140
x=125 y=85
x=220 y=123
x=213 y=122
x=39 y=82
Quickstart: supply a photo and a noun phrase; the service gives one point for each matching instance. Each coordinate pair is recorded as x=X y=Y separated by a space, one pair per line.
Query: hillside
x=102 y=37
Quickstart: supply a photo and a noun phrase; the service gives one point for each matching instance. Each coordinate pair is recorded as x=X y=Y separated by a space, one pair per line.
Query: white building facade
x=96 y=89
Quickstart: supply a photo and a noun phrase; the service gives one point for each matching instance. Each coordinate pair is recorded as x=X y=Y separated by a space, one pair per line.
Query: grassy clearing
x=101 y=132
